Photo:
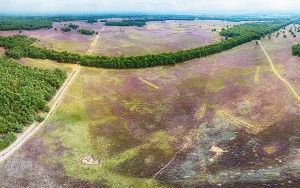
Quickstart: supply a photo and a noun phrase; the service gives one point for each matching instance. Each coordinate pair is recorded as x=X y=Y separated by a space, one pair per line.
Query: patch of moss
x=237 y=71
x=145 y=164
x=163 y=140
x=46 y=64
x=215 y=85
x=115 y=134
x=136 y=105
x=72 y=109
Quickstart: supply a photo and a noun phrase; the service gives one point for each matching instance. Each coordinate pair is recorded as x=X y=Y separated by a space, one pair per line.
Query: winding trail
x=275 y=71
x=34 y=127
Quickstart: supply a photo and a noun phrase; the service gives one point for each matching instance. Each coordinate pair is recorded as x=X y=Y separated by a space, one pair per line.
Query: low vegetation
x=24 y=92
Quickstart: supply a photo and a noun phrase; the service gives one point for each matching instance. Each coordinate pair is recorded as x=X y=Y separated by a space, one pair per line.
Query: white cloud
x=145 y=5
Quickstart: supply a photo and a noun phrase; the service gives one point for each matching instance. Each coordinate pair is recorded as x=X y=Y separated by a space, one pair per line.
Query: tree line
x=24 y=23
x=66 y=29
x=125 y=23
x=45 y=22
x=69 y=27
x=24 y=92
x=19 y=46
x=39 y=22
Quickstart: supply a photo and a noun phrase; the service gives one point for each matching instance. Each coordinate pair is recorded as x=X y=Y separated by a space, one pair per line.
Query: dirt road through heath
x=33 y=128
x=275 y=71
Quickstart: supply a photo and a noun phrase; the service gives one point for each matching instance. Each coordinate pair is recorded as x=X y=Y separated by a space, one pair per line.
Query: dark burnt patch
x=248 y=151
x=34 y=148
x=287 y=183
x=117 y=133
x=145 y=164
x=73 y=183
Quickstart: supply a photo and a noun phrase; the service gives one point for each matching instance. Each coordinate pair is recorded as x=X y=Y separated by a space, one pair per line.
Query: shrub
x=86 y=32
x=66 y=29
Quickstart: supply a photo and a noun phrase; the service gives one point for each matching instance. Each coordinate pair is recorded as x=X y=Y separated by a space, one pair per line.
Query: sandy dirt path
x=94 y=43
x=148 y=83
x=34 y=127
x=275 y=71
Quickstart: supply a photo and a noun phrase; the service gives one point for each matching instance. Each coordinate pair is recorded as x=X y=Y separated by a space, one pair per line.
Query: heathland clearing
x=155 y=37
x=135 y=122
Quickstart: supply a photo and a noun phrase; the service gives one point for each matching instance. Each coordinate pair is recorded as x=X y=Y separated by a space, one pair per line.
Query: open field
x=155 y=37
x=226 y=119
x=58 y=40
x=280 y=51
x=46 y=64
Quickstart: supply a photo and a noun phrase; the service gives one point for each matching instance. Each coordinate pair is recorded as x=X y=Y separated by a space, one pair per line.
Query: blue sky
x=144 y=5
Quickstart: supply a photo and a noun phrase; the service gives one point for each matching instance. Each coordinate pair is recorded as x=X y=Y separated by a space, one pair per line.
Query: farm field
x=155 y=37
x=226 y=119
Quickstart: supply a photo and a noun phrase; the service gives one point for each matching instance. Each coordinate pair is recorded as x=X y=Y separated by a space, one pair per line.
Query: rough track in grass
x=33 y=128
x=94 y=43
x=148 y=83
x=275 y=71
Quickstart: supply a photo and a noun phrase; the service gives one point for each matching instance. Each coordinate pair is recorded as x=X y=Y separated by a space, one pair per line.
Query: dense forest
x=38 y=22
x=24 y=23
x=125 y=23
x=296 y=49
x=24 y=92
x=20 y=46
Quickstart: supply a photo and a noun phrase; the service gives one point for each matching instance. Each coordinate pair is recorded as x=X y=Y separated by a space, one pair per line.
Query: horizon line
x=192 y=12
